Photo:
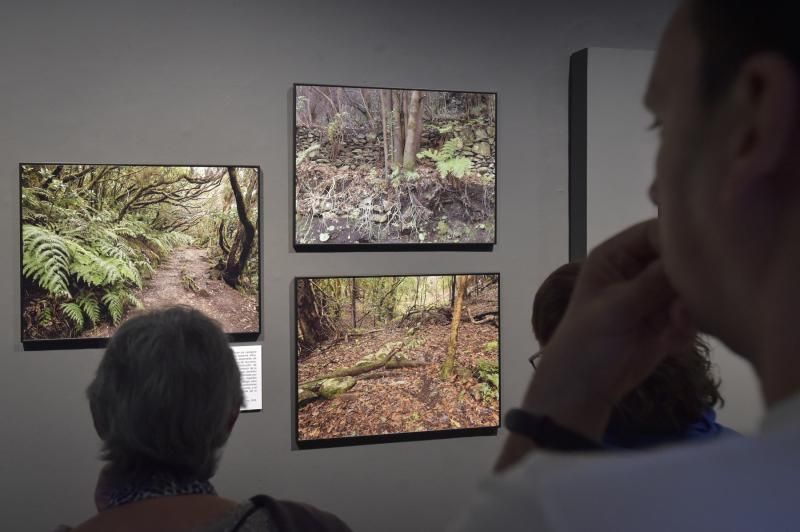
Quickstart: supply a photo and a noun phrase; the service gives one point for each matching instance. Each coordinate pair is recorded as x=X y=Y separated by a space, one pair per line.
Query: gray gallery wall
x=204 y=81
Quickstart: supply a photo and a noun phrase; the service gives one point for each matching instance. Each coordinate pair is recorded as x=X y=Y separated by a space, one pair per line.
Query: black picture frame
x=379 y=246
x=30 y=344
x=578 y=153
x=301 y=444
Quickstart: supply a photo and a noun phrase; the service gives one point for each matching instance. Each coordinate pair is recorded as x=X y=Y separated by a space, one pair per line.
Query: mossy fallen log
x=341 y=380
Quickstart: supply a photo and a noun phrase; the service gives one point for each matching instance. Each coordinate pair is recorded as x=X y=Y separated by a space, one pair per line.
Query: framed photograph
x=394 y=169
x=396 y=358
x=101 y=241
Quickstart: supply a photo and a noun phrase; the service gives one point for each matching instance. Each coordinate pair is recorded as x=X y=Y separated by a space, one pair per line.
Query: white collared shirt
x=747 y=484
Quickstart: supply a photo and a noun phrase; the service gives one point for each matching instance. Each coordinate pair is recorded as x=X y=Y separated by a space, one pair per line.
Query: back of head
x=552 y=299
x=165 y=394
x=676 y=395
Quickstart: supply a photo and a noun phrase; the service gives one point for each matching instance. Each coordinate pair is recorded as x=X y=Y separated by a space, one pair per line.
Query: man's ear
x=764 y=115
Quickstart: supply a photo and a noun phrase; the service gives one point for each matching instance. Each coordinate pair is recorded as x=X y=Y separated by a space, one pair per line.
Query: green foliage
x=97 y=270
x=413 y=343
x=46 y=259
x=491 y=347
x=77 y=250
x=449 y=159
x=457 y=167
x=88 y=304
x=91 y=235
x=488 y=372
x=488 y=392
x=335 y=129
x=306 y=153
x=74 y=312
x=450 y=149
x=46 y=316
x=447 y=128
x=116 y=301
x=115 y=304
x=85 y=306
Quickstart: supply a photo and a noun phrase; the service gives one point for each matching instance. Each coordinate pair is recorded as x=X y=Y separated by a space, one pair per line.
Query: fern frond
x=115 y=305
x=45 y=259
x=90 y=267
x=448 y=159
x=88 y=303
x=74 y=313
x=128 y=272
x=133 y=300
x=457 y=166
x=176 y=238
x=451 y=148
x=110 y=249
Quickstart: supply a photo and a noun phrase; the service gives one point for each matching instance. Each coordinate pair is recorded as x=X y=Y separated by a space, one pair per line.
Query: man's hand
x=622 y=320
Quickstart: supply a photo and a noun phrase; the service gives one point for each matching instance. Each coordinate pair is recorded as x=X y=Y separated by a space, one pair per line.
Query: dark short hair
x=551 y=301
x=674 y=396
x=164 y=394
x=732 y=30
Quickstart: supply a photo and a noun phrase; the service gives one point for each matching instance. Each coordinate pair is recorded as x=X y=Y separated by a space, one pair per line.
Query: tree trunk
x=353 y=297
x=334 y=108
x=370 y=119
x=409 y=155
x=450 y=359
x=420 y=123
x=222 y=245
x=234 y=266
x=311 y=328
x=386 y=97
x=398 y=132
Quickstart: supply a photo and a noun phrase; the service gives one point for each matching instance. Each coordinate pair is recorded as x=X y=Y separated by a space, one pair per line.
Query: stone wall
x=364 y=147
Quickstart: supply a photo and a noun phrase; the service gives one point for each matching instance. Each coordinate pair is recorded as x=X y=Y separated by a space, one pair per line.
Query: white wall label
x=249 y=359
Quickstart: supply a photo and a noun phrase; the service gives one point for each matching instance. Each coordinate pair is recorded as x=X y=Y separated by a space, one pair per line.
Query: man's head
x=725 y=93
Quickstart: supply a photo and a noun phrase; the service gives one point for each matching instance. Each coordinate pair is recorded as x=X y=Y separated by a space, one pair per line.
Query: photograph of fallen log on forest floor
x=102 y=241
x=381 y=356
x=394 y=167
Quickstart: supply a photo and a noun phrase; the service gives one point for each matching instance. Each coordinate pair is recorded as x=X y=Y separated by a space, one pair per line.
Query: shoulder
x=299 y=516
x=641 y=490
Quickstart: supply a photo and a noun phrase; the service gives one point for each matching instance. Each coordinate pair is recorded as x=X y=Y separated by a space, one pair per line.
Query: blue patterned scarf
x=113 y=491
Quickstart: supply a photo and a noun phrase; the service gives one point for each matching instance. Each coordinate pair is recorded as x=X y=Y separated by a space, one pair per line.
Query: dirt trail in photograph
x=172 y=285
x=183 y=279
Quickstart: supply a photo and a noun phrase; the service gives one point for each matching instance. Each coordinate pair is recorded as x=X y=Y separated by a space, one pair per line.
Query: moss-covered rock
x=305 y=396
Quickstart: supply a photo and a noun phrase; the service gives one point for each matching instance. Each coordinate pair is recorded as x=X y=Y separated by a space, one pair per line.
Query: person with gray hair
x=164 y=400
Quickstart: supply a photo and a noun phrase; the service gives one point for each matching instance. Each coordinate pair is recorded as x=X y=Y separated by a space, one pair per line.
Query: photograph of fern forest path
x=391 y=166
x=100 y=242
x=380 y=356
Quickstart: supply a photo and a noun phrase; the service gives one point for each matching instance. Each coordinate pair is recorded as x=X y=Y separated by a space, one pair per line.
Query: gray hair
x=165 y=393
